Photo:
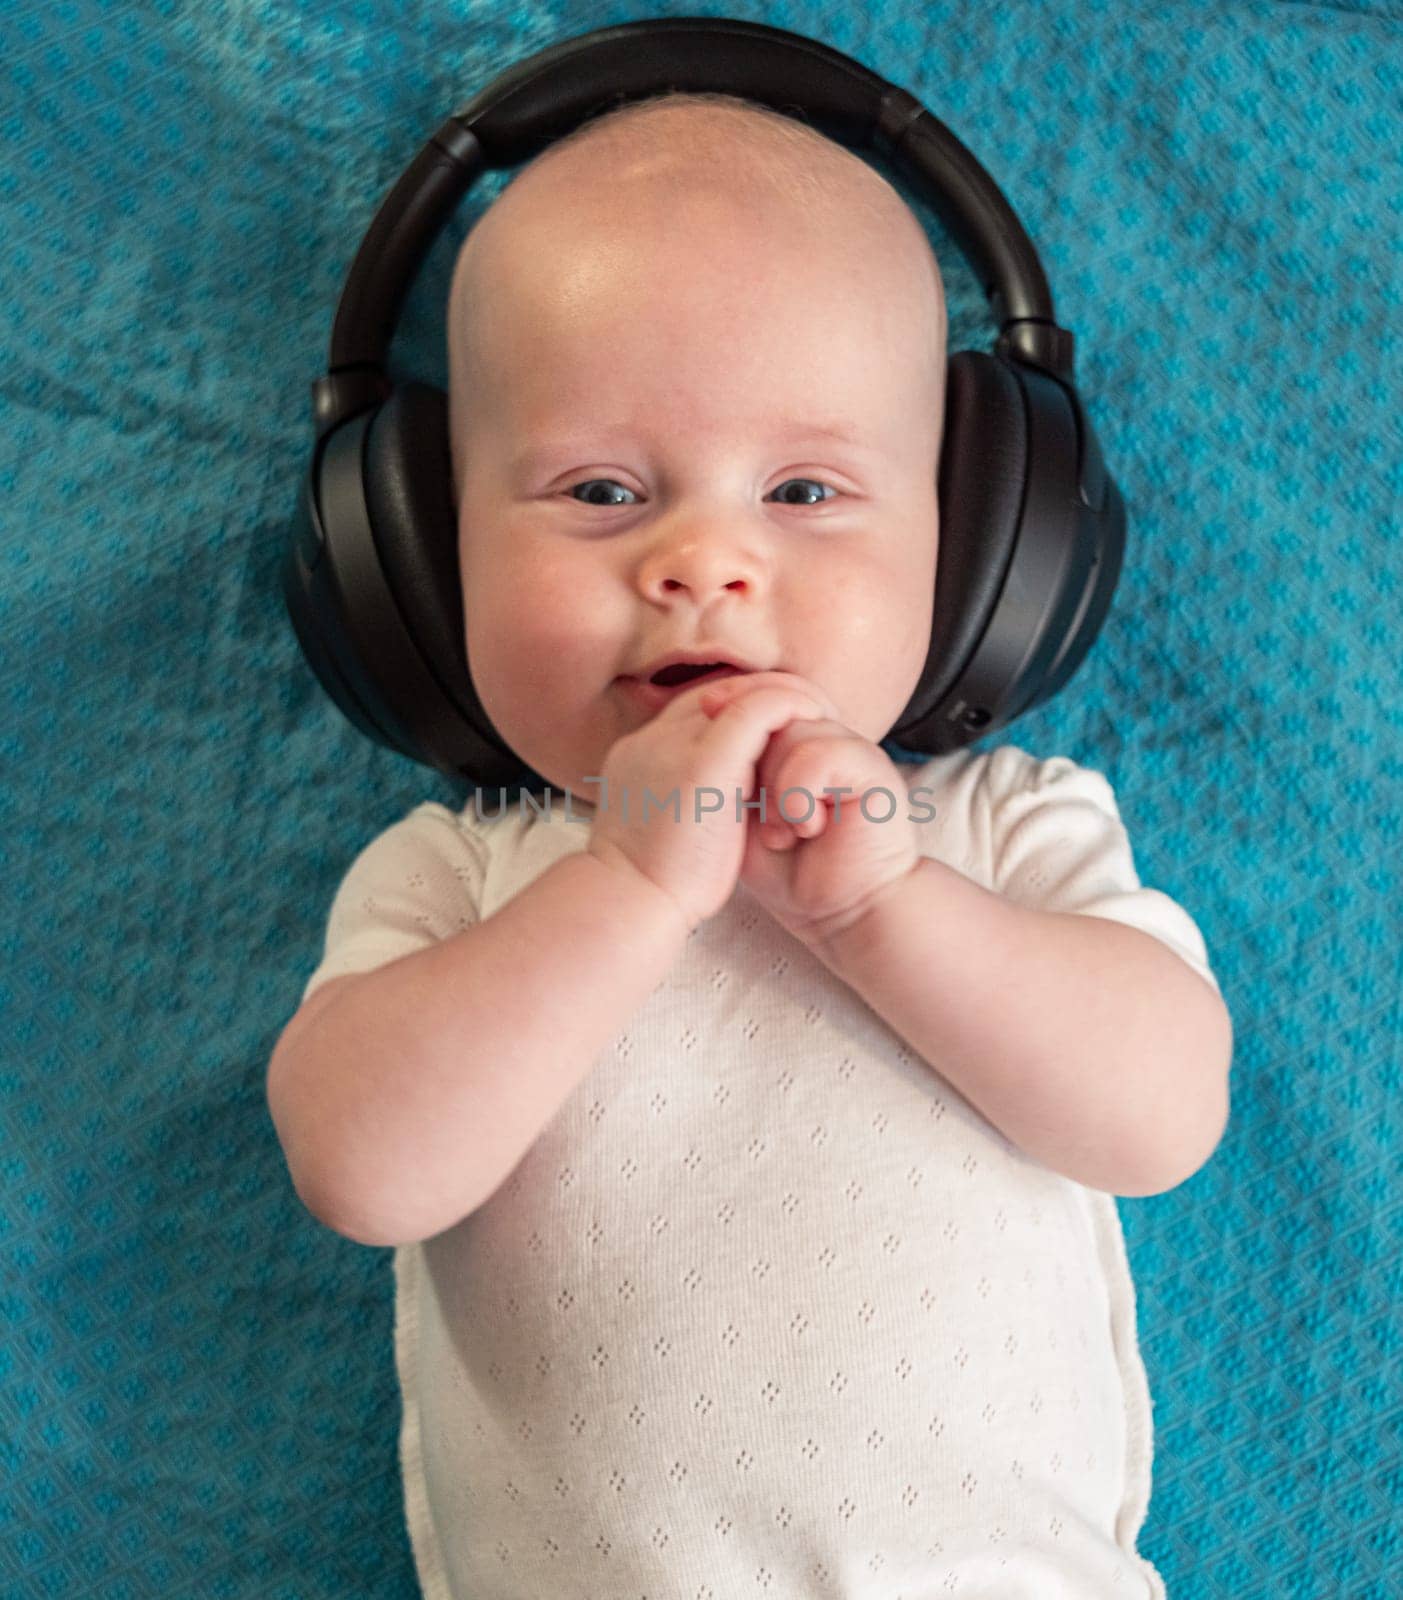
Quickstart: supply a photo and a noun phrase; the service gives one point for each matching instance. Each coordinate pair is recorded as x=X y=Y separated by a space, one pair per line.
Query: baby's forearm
x=404 y=1102
x=1087 y=1043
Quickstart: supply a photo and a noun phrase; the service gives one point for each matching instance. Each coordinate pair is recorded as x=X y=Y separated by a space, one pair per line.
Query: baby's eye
x=594 y=499
x=816 y=484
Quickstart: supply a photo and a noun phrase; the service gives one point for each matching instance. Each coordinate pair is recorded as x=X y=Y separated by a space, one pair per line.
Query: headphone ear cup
x=983 y=471
x=1032 y=538
x=409 y=498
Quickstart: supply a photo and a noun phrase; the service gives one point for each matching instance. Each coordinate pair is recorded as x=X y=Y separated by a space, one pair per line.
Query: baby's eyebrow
x=797 y=429
x=790 y=431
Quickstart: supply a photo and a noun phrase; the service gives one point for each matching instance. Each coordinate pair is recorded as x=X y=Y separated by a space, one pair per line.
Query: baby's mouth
x=662 y=687
x=690 y=672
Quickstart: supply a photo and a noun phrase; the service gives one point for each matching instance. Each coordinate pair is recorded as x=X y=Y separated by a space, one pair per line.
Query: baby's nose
x=701 y=568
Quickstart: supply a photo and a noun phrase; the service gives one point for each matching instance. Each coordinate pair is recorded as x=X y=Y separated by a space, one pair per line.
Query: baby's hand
x=819 y=872
x=693 y=852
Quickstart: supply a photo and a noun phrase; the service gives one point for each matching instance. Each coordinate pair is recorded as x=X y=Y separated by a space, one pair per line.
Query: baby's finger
x=789 y=764
x=742 y=728
x=776 y=836
x=847 y=773
x=724 y=690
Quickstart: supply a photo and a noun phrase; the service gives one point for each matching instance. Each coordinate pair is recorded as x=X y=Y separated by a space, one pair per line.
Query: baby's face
x=646 y=471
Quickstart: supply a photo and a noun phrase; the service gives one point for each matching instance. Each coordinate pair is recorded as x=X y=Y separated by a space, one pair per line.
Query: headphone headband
x=553 y=92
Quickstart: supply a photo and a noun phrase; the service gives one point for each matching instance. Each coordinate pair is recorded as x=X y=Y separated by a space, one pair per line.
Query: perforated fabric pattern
x=768 y=1301
x=416 y=883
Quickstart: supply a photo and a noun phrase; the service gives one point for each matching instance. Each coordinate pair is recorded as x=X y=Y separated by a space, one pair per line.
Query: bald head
x=703 y=186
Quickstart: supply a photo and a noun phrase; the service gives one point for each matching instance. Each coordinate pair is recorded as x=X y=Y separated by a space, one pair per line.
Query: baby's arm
x=1086 y=1042
x=405 y=1095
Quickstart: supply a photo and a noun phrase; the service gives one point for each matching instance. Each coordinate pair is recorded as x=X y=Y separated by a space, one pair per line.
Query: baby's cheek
x=537 y=618
x=854 y=613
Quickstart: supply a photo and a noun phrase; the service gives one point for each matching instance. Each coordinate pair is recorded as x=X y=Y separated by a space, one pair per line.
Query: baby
x=750 y=1176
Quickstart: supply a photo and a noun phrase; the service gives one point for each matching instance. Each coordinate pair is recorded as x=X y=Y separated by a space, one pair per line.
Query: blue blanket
x=197 y=1393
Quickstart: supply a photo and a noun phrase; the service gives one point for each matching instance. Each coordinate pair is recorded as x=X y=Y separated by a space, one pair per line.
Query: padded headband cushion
x=408 y=476
x=983 y=467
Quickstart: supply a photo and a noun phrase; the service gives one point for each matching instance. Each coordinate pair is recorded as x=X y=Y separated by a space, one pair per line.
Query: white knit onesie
x=769 y=1311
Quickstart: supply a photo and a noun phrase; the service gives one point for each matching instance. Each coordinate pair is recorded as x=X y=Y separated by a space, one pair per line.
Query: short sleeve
x=418 y=882
x=1057 y=842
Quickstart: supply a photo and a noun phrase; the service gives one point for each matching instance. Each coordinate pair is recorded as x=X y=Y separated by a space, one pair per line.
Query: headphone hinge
x=340 y=395
x=1041 y=344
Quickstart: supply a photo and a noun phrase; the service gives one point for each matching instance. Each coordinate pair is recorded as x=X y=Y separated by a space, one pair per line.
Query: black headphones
x=1032 y=527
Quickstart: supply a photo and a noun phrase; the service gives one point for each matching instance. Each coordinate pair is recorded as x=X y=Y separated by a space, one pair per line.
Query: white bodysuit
x=769 y=1311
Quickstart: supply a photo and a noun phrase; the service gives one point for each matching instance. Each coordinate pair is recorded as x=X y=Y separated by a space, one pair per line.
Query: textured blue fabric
x=197 y=1394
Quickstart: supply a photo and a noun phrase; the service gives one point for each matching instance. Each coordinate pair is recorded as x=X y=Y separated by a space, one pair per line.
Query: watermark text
x=878 y=804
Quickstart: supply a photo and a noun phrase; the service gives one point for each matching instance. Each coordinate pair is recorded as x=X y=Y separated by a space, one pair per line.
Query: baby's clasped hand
x=817 y=862
x=837 y=834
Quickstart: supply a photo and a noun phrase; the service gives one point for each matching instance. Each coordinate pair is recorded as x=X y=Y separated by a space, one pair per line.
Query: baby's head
x=649 y=332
